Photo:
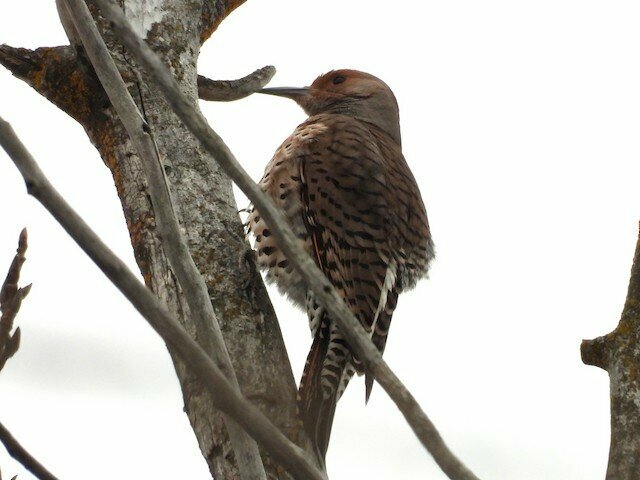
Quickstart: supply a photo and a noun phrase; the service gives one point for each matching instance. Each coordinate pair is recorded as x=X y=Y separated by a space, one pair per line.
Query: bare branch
x=596 y=352
x=56 y=74
x=21 y=62
x=228 y=90
x=618 y=354
x=11 y=297
x=193 y=286
x=322 y=288
x=12 y=478
x=213 y=13
x=10 y=285
x=18 y=452
x=223 y=394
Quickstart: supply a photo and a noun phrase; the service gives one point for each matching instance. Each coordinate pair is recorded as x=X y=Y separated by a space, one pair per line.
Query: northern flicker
x=346 y=189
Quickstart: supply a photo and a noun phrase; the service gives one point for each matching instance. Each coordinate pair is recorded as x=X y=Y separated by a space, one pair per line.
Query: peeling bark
x=205 y=207
x=619 y=354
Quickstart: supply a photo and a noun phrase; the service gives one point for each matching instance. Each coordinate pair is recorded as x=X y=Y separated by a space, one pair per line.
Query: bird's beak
x=293 y=93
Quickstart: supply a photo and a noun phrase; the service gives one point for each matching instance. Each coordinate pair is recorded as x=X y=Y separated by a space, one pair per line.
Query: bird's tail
x=319 y=386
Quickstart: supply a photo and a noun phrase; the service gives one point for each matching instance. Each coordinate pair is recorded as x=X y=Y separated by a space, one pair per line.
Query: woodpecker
x=349 y=196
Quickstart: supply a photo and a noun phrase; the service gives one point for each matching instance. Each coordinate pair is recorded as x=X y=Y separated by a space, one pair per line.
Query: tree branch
x=56 y=74
x=223 y=394
x=12 y=478
x=228 y=90
x=189 y=278
x=11 y=297
x=207 y=212
x=21 y=62
x=18 y=452
x=322 y=288
x=213 y=13
x=618 y=354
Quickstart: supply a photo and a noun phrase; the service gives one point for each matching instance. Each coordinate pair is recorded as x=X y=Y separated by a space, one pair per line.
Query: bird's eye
x=338 y=79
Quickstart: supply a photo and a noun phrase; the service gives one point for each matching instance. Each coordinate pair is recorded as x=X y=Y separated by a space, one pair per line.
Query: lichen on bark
x=618 y=353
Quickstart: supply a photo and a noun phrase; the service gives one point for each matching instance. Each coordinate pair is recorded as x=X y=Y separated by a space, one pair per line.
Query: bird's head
x=348 y=92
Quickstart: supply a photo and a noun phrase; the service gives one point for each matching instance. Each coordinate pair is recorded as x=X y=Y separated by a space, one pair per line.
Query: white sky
x=520 y=121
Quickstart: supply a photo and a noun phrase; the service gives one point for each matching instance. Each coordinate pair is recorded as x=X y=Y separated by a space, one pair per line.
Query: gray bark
x=224 y=393
x=619 y=354
x=195 y=291
x=205 y=207
x=208 y=212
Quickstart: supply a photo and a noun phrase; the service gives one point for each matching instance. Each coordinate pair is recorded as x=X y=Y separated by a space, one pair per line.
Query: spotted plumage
x=350 y=198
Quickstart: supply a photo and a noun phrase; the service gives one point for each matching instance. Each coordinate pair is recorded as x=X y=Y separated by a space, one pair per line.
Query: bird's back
x=355 y=206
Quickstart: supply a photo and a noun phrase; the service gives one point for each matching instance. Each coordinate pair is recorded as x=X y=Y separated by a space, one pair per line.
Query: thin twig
x=223 y=394
x=11 y=297
x=12 y=478
x=193 y=287
x=322 y=288
x=18 y=452
x=229 y=90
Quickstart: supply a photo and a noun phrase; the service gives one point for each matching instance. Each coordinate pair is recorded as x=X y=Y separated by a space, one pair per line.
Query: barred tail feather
x=323 y=381
x=316 y=408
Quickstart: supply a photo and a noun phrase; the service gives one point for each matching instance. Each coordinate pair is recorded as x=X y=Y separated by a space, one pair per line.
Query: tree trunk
x=204 y=204
x=619 y=354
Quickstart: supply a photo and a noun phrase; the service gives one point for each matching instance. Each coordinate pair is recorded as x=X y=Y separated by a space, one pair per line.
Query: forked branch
x=223 y=394
x=175 y=247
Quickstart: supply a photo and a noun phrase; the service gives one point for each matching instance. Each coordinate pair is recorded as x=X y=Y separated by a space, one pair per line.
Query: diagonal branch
x=56 y=74
x=228 y=90
x=11 y=297
x=27 y=460
x=21 y=62
x=322 y=288
x=223 y=393
x=193 y=286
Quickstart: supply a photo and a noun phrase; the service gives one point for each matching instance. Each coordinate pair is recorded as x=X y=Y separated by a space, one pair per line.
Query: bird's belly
x=272 y=260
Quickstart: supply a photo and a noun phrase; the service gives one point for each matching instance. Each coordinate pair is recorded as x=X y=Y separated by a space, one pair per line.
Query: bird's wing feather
x=346 y=201
x=354 y=198
x=352 y=215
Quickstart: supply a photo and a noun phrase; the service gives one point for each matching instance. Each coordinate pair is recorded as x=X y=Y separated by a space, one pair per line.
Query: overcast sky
x=521 y=123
